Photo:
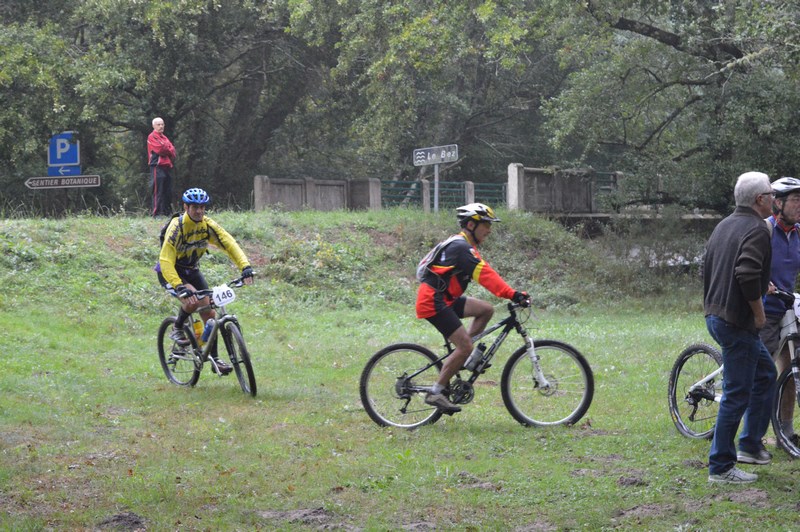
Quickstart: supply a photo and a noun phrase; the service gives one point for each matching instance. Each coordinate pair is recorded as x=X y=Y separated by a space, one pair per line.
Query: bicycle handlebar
x=786 y=297
x=522 y=304
x=236 y=283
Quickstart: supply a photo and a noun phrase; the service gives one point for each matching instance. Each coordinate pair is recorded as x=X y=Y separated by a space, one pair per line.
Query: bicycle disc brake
x=461 y=392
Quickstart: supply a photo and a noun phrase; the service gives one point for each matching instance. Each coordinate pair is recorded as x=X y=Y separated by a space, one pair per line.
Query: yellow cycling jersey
x=186 y=241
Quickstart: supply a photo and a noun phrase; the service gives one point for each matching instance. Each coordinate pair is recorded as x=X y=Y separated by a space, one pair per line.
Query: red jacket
x=449 y=275
x=160 y=150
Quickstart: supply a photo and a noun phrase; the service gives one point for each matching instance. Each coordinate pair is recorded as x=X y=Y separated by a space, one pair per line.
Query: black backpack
x=163 y=231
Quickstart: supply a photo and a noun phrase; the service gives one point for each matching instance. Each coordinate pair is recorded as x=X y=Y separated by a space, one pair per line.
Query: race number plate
x=223 y=295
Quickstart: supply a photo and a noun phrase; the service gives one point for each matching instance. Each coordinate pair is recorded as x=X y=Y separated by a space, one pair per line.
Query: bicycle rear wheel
x=694 y=407
x=569 y=390
x=392 y=392
x=786 y=418
x=240 y=357
x=177 y=362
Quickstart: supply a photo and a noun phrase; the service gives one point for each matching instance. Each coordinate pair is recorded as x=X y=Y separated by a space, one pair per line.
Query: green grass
x=92 y=435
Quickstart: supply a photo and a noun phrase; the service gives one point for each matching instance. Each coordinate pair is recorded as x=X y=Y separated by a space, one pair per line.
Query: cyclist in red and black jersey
x=440 y=297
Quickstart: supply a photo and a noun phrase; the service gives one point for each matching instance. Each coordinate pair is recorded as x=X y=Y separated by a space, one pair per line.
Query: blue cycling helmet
x=196 y=196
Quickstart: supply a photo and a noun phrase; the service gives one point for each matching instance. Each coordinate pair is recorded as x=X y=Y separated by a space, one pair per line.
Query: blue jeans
x=748 y=387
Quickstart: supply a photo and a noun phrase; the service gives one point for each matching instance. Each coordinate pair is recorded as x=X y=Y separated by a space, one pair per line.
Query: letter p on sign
x=62 y=147
x=64 y=150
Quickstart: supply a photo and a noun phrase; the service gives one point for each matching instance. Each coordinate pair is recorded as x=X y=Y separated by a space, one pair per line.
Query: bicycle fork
x=795 y=365
x=538 y=374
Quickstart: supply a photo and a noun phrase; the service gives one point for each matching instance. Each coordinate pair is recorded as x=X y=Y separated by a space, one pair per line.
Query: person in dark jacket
x=736 y=274
x=160 y=158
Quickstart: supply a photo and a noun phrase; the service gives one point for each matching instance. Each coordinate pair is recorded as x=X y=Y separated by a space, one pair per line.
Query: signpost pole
x=435 y=188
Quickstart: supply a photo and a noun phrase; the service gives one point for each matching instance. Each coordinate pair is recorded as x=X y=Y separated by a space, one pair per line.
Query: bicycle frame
x=217 y=323
x=788 y=335
x=508 y=324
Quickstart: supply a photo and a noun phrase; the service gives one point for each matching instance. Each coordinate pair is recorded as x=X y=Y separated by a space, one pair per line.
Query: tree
x=684 y=95
x=412 y=74
x=223 y=76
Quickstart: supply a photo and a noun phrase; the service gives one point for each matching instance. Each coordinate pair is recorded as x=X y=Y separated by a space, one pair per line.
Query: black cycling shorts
x=192 y=277
x=449 y=320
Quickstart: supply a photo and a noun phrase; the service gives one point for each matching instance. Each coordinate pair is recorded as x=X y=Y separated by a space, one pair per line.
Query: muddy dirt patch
x=307 y=516
x=644 y=511
x=123 y=521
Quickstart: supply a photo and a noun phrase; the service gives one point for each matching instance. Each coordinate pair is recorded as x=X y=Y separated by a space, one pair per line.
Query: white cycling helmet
x=785 y=186
x=477 y=212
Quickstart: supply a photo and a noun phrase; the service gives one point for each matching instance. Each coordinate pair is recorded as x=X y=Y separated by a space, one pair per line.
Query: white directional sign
x=77 y=181
x=436 y=155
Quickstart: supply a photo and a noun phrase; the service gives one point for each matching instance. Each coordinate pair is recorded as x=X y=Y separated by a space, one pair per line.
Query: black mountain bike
x=183 y=365
x=545 y=382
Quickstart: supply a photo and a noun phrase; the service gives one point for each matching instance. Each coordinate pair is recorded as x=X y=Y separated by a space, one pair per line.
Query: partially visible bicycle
x=545 y=382
x=695 y=385
x=183 y=365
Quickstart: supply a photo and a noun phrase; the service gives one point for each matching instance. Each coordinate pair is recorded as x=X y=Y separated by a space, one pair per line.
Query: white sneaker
x=733 y=475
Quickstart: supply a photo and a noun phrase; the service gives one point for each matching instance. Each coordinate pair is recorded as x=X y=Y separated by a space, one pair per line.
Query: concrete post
x=426 y=195
x=469 y=192
x=261 y=192
x=310 y=194
x=515 y=192
x=365 y=194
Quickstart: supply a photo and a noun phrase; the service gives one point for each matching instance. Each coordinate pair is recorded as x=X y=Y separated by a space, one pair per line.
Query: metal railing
x=605 y=181
x=493 y=194
x=451 y=193
x=395 y=193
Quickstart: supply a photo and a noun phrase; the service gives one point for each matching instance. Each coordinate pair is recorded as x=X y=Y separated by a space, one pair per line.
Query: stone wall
x=317 y=194
x=551 y=190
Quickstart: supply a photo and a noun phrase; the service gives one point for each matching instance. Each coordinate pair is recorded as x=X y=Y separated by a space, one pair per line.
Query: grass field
x=92 y=436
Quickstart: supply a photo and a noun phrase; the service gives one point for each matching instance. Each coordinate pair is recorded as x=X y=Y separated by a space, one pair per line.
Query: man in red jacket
x=440 y=297
x=161 y=156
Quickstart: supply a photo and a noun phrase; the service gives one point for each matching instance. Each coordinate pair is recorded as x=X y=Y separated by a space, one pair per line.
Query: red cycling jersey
x=450 y=273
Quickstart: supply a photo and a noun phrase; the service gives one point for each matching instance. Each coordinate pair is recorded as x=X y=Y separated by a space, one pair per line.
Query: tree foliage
x=684 y=95
x=681 y=96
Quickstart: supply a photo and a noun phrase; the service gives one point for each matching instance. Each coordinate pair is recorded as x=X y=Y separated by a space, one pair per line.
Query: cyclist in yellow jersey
x=186 y=240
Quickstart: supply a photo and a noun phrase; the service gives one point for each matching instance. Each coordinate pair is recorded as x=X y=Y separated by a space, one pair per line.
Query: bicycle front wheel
x=394 y=383
x=240 y=357
x=786 y=414
x=177 y=362
x=565 y=396
x=692 y=405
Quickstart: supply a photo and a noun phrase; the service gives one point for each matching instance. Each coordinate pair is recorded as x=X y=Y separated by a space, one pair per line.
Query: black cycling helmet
x=477 y=212
x=785 y=186
x=196 y=196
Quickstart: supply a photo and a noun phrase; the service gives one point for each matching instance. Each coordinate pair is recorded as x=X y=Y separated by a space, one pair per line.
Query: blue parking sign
x=64 y=150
